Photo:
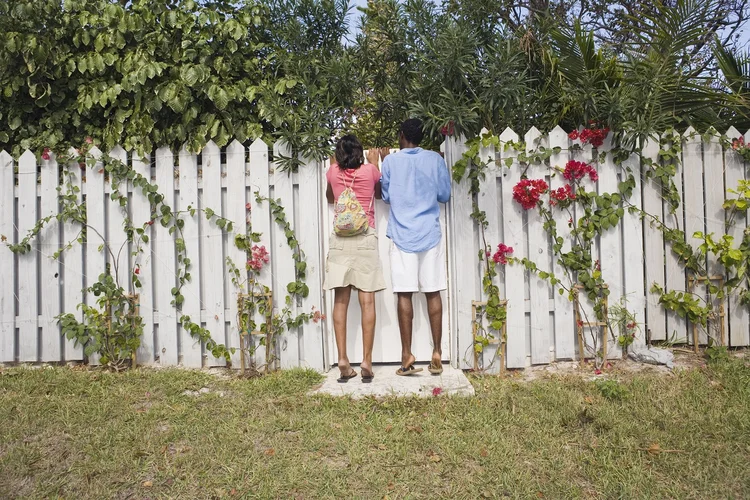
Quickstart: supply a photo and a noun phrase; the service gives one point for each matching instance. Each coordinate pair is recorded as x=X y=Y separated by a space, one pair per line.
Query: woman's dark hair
x=349 y=152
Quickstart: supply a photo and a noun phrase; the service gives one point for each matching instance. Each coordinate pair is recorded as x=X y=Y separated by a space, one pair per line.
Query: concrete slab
x=387 y=383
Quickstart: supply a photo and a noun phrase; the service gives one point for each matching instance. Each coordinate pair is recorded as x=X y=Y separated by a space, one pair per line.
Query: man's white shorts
x=419 y=272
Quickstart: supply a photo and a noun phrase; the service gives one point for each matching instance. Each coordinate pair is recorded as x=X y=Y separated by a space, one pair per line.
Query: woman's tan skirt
x=354 y=261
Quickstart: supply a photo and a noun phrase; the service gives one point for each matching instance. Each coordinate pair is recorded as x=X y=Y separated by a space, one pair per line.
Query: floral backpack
x=350 y=218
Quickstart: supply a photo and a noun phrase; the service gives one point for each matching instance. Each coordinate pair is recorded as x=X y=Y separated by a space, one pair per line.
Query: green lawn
x=74 y=433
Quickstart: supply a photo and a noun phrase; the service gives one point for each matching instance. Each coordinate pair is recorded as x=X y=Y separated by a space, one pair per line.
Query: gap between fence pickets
x=28 y=334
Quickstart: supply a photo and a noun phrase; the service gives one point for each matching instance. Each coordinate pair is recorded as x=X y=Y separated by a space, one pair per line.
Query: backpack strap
x=343 y=179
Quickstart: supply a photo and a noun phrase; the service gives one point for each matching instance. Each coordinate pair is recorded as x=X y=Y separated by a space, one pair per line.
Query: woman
x=353 y=261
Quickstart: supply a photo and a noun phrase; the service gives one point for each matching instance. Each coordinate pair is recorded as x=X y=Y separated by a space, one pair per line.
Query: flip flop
x=409 y=370
x=366 y=379
x=345 y=378
x=435 y=370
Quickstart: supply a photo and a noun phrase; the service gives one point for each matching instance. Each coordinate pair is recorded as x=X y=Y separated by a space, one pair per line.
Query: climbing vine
x=596 y=213
x=113 y=331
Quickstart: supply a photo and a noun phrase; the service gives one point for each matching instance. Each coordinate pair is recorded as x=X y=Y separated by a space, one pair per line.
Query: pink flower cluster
x=259 y=256
x=528 y=191
x=501 y=256
x=575 y=170
x=593 y=135
x=45 y=154
x=738 y=143
x=561 y=195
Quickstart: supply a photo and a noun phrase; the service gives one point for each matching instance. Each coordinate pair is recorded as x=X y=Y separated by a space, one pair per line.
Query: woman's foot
x=346 y=371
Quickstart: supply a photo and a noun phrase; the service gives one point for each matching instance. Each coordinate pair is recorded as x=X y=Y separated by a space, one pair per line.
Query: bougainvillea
x=501 y=256
x=528 y=191
x=576 y=170
x=592 y=135
x=562 y=195
x=741 y=148
x=259 y=256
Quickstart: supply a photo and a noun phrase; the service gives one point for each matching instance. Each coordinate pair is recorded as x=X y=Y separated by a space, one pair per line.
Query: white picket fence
x=36 y=288
x=633 y=256
x=541 y=327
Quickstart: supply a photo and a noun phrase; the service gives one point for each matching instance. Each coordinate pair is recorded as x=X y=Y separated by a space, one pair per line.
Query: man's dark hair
x=412 y=130
x=349 y=152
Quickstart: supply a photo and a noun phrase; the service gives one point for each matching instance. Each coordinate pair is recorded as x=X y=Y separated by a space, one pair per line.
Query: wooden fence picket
x=514 y=236
x=632 y=241
x=694 y=204
x=166 y=338
x=49 y=243
x=72 y=258
x=283 y=268
x=737 y=313
x=96 y=248
x=540 y=327
x=238 y=214
x=141 y=216
x=462 y=242
x=488 y=201
x=674 y=218
x=653 y=248
x=7 y=260
x=564 y=317
x=188 y=199
x=260 y=222
x=211 y=244
x=611 y=257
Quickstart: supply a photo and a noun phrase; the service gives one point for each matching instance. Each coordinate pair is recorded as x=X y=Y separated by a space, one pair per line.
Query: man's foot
x=436 y=364
x=367 y=374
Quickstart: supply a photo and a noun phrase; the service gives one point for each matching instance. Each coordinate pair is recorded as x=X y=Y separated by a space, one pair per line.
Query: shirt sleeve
x=444 y=182
x=385 y=180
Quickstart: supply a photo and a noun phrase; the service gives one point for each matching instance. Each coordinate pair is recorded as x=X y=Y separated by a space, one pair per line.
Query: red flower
x=248 y=207
x=89 y=140
x=150 y=223
x=597 y=371
x=573 y=135
x=45 y=154
x=738 y=143
x=137 y=270
x=527 y=192
x=592 y=135
x=501 y=256
x=437 y=391
x=597 y=266
x=448 y=129
x=562 y=195
x=576 y=170
x=579 y=323
x=570 y=222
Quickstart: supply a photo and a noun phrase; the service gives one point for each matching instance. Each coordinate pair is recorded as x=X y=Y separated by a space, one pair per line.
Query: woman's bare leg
x=340 y=308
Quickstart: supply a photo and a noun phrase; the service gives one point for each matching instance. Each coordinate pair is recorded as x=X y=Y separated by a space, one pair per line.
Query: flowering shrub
x=501 y=256
x=259 y=256
x=528 y=191
x=576 y=170
x=592 y=135
x=562 y=196
x=741 y=148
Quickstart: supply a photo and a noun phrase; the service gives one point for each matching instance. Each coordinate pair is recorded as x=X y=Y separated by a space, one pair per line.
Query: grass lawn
x=84 y=434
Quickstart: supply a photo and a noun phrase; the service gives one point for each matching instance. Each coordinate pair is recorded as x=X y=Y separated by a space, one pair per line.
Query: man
x=414 y=182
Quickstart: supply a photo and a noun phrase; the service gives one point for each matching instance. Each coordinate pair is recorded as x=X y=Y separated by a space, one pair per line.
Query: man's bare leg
x=435 y=312
x=405 y=320
x=367 y=306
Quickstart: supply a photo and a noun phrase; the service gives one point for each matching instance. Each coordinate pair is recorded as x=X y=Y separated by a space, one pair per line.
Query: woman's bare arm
x=329 y=194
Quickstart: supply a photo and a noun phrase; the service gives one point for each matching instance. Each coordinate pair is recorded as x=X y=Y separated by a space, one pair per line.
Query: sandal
x=345 y=378
x=409 y=370
x=367 y=375
x=435 y=369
